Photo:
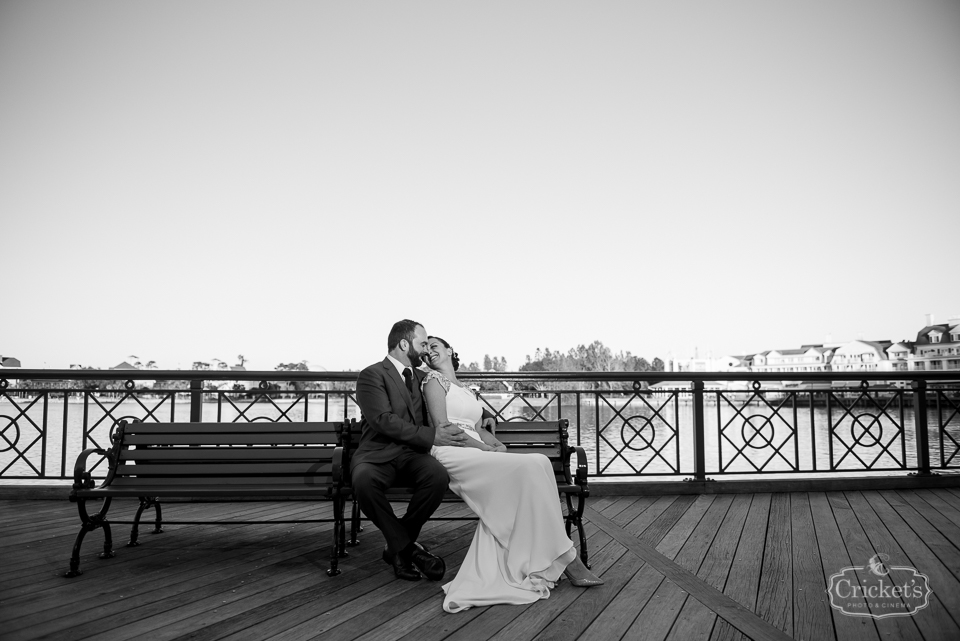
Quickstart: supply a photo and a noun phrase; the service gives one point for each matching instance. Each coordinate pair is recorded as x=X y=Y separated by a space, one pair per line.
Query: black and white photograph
x=626 y=320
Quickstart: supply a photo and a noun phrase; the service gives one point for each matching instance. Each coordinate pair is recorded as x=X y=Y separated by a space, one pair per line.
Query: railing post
x=196 y=401
x=920 y=424
x=699 y=442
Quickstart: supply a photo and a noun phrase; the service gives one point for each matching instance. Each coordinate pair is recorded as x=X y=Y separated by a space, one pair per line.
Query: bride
x=520 y=548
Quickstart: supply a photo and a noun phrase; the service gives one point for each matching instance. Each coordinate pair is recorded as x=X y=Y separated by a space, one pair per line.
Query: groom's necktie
x=408 y=379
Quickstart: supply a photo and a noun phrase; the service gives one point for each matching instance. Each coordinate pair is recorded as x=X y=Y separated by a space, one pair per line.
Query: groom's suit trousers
x=420 y=472
x=394 y=448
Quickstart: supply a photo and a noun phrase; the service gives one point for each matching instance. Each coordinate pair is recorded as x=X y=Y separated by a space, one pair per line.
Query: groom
x=394 y=449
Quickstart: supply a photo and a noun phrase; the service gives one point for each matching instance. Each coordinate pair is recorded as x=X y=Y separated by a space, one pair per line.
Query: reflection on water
x=650 y=435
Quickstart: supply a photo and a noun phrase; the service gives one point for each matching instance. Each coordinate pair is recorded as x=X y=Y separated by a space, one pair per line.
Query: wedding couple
x=422 y=428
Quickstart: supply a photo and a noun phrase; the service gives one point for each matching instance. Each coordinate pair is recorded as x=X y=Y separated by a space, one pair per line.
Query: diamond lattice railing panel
x=636 y=435
x=21 y=435
x=756 y=435
x=948 y=427
x=866 y=431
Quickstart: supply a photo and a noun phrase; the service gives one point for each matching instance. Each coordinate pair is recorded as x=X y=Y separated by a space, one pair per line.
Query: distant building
x=937 y=348
x=733 y=363
x=808 y=358
x=722 y=364
x=695 y=365
x=859 y=355
x=898 y=355
x=9 y=361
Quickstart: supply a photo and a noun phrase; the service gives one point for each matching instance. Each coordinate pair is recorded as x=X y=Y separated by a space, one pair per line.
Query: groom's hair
x=400 y=330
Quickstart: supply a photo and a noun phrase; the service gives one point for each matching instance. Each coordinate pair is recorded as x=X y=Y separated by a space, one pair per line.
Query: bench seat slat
x=200 y=454
x=154 y=490
x=308 y=468
x=405 y=492
x=256 y=427
x=279 y=438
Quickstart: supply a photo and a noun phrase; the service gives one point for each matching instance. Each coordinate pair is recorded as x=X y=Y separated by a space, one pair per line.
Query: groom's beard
x=414 y=357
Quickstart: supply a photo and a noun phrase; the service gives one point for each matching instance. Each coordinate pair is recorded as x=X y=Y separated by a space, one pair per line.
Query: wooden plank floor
x=769 y=556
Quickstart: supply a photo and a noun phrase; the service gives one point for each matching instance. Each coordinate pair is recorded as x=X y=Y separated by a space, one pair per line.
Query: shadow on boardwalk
x=771 y=553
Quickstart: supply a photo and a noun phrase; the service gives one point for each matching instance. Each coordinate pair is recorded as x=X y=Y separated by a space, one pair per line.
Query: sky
x=184 y=181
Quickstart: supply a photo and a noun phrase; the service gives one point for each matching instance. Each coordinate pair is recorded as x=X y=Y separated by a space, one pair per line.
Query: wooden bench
x=549 y=438
x=151 y=461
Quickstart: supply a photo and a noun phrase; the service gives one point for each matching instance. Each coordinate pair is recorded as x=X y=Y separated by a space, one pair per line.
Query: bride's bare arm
x=446 y=432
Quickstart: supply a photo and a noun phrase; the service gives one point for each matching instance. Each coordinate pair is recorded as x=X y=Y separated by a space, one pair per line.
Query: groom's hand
x=449 y=434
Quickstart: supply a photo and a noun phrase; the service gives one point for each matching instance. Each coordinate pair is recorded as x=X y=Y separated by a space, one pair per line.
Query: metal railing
x=632 y=424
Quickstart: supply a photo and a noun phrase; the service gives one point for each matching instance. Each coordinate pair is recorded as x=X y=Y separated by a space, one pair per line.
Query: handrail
x=349 y=376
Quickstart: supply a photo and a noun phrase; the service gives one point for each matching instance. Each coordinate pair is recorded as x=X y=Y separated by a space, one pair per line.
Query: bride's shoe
x=581 y=577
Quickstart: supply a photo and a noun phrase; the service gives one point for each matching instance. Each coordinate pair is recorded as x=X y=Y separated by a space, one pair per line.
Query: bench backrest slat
x=255 y=427
x=203 y=438
x=302 y=468
x=532 y=426
x=519 y=437
x=320 y=480
x=209 y=453
x=213 y=454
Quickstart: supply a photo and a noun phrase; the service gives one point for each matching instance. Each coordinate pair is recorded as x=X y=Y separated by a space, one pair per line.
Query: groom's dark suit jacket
x=393 y=418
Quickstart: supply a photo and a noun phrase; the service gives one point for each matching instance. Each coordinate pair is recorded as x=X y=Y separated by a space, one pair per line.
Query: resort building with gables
x=808 y=358
x=937 y=348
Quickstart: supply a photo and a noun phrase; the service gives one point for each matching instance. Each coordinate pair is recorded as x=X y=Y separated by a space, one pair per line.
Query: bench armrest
x=82 y=480
x=581 y=473
x=337 y=465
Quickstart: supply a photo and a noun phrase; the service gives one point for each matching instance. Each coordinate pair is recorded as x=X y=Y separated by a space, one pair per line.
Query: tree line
x=595 y=357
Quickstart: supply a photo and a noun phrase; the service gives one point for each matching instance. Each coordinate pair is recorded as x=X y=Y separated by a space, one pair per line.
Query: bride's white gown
x=520 y=548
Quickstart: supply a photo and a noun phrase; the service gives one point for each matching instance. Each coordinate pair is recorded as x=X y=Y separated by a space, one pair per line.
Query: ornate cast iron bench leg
x=574 y=518
x=355 y=527
x=145 y=502
x=338 y=534
x=89 y=524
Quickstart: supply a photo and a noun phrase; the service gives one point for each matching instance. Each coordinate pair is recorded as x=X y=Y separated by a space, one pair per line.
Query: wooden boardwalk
x=754 y=562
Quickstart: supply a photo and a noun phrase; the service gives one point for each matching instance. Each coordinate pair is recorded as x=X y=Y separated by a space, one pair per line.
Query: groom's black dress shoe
x=431 y=565
x=402 y=567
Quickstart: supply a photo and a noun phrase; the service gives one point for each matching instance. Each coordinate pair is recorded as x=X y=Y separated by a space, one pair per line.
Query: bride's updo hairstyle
x=454 y=359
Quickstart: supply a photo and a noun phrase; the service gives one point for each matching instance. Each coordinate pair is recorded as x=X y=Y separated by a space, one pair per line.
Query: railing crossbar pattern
x=944 y=403
x=633 y=425
x=757 y=432
x=867 y=430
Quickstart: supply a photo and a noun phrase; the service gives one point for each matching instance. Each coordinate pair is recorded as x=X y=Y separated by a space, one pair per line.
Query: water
x=650 y=435
x=102 y=413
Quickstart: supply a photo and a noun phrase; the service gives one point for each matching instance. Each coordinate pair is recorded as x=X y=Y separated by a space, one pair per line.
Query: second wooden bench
x=550 y=438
